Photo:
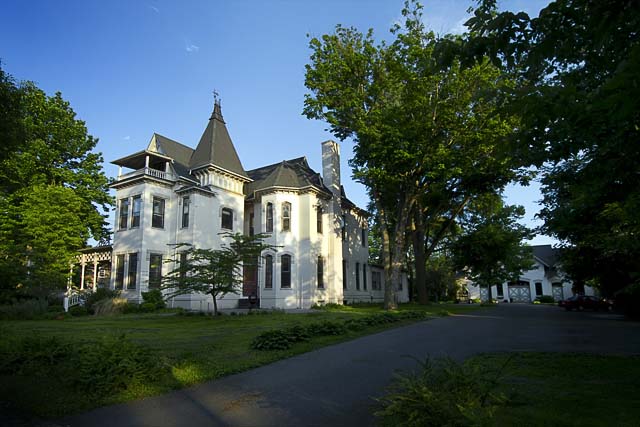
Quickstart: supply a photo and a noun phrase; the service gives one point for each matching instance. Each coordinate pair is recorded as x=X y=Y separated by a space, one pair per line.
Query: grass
x=196 y=349
x=560 y=389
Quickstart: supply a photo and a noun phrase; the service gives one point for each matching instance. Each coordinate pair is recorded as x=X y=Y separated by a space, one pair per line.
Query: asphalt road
x=336 y=386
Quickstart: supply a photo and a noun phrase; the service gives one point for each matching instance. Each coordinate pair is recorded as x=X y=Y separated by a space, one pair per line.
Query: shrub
x=55 y=308
x=147 y=307
x=112 y=364
x=78 y=310
x=443 y=392
x=130 y=307
x=277 y=339
x=154 y=297
x=24 y=310
x=356 y=324
x=101 y=294
x=326 y=328
x=545 y=299
x=110 y=306
x=298 y=333
x=33 y=354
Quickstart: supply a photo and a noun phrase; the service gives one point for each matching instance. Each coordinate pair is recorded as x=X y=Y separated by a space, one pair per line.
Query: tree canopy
x=53 y=191
x=578 y=66
x=427 y=122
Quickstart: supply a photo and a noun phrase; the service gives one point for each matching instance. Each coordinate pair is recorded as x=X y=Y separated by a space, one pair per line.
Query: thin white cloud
x=458 y=27
x=126 y=138
x=190 y=47
x=155 y=9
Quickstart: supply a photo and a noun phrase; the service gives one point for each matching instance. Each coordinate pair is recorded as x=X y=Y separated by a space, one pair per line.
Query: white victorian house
x=545 y=278
x=169 y=193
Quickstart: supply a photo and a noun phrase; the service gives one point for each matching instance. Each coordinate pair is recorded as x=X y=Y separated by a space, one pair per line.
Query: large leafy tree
x=579 y=85
x=428 y=128
x=53 y=192
x=215 y=272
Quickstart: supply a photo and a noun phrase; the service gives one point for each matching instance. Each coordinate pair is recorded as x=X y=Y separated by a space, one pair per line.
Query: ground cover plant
x=524 y=389
x=163 y=351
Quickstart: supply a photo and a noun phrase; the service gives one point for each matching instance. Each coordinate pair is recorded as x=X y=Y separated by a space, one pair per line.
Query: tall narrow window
x=344 y=228
x=227 y=218
x=285 y=271
x=320 y=273
x=157 y=219
x=364 y=276
x=363 y=236
x=135 y=211
x=500 y=290
x=124 y=214
x=357 y=276
x=268 y=271
x=132 y=271
x=269 y=219
x=376 y=281
x=119 y=271
x=155 y=271
x=286 y=216
x=538 y=289
x=186 y=204
x=251 y=220
x=183 y=265
x=344 y=274
x=319 y=219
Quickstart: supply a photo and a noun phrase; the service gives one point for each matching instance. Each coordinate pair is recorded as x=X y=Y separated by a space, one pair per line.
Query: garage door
x=520 y=293
x=484 y=294
x=557 y=293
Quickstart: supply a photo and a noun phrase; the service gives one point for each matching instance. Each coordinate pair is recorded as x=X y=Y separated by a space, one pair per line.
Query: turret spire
x=217 y=109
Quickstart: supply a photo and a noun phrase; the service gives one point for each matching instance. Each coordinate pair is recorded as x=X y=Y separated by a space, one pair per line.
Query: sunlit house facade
x=169 y=193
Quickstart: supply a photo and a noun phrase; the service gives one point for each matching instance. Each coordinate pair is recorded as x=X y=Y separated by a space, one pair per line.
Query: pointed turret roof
x=215 y=147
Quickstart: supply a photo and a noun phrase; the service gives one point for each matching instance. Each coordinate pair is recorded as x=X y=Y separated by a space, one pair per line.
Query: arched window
x=227 y=219
x=268 y=271
x=285 y=271
x=286 y=216
x=269 y=222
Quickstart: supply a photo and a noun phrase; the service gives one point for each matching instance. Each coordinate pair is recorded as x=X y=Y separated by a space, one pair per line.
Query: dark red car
x=585 y=302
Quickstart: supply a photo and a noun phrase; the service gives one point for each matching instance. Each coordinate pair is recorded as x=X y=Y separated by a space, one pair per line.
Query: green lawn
x=195 y=349
x=559 y=389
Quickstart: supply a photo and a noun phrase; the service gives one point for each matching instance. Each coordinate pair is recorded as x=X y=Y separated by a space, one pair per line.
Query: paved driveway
x=334 y=386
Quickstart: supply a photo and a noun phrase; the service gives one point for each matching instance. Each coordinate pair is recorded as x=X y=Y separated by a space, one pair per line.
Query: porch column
x=146 y=162
x=82 y=267
x=95 y=275
x=119 y=170
x=166 y=167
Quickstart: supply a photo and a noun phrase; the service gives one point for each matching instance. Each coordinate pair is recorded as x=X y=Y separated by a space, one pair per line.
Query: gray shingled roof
x=294 y=173
x=181 y=154
x=178 y=152
x=215 y=147
x=546 y=254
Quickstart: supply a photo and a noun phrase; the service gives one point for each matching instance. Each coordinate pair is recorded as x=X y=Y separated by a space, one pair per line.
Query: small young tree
x=215 y=272
x=491 y=250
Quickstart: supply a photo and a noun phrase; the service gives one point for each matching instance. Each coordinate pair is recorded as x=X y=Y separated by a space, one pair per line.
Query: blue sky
x=131 y=68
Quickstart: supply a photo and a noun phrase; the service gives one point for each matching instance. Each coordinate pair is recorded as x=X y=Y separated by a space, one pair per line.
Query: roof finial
x=217 y=110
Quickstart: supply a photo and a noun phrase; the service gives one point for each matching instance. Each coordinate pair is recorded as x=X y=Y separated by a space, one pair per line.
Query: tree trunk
x=215 y=305
x=389 y=291
x=418 y=237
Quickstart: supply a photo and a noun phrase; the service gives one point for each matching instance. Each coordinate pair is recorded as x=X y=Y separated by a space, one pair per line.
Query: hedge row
x=283 y=339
